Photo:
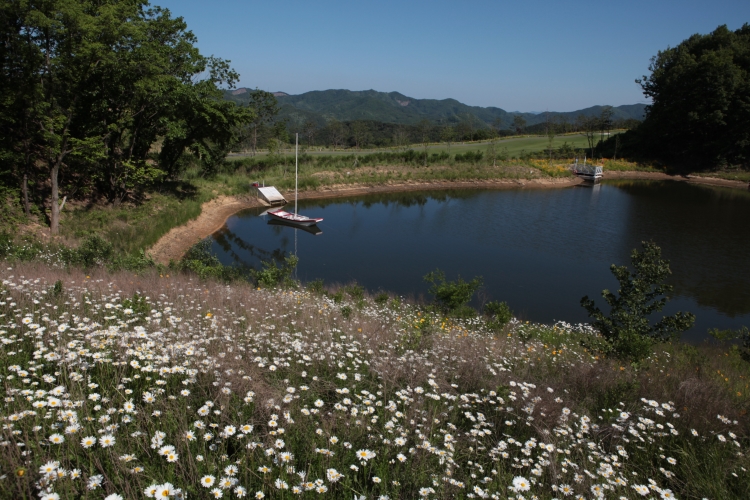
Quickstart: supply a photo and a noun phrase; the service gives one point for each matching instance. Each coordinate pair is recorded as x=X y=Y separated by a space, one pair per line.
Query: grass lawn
x=516 y=146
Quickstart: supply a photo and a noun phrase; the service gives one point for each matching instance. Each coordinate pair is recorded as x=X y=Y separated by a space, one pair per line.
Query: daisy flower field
x=121 y=385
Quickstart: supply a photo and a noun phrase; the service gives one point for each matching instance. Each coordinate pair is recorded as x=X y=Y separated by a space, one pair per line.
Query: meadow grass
x=120 y=385
x=516 y=146
x=136 y=226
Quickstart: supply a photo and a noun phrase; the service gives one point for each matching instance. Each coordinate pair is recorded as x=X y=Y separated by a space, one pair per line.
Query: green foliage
x=384 y=116
x=355 y=291
x=700 y=90
x=742 y=335
x=138 y=304
x=452 y=297
x=381 y=299
x=89 y=88
x=57 y=288
x=627 y=331
x=498 y=314
x=135 y=262
x=612 y=396
x=94 y=251
x=200 y=260
x=470 y=157
x=316 y=287
x=273 y=275
x=346 y=312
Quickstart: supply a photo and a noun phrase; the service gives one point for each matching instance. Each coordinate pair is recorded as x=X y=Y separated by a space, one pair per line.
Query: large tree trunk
x=54 y=216
x=55 y=205
x=25 y=191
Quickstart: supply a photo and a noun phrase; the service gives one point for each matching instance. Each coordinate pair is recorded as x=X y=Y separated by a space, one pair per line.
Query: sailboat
x=294 y=219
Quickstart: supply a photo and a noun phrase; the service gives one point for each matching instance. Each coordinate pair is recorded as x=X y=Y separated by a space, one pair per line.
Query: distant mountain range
x=394 y=107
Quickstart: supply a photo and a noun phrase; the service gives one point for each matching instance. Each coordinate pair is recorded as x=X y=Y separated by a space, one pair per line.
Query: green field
x=515 y=145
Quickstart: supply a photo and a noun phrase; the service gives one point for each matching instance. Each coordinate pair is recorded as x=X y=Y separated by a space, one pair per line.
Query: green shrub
x=138 y=304
x=94 y=250
x=381 y=298
x=57 y=288
x=627 y=331
x=6 y=244
x=346 y=312
x=136 y=262
x=742 y=335
x=205 y=264
x=316 y=287
x=272 y=275
x=452 y=297
x=498 y=314
x=355 y=291
x=470 y=157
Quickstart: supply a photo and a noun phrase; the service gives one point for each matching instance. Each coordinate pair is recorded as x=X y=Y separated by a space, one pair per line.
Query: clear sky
x=521 y=55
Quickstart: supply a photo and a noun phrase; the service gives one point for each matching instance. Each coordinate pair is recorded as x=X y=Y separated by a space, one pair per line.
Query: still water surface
x=539 y=250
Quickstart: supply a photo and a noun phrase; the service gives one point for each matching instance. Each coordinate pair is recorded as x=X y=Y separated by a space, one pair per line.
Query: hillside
x=394 y=107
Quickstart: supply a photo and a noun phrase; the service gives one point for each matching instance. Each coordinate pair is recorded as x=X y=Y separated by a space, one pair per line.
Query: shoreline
x=215 y=213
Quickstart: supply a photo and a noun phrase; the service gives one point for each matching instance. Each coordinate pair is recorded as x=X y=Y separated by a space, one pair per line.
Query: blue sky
x=521 y=55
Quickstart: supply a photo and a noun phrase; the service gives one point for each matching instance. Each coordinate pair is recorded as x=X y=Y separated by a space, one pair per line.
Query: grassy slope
x=515 y=145
x=199 y=360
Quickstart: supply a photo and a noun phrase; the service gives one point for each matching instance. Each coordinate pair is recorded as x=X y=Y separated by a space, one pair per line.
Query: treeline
x=101 y=98
x=269 y=133
x=699 y=118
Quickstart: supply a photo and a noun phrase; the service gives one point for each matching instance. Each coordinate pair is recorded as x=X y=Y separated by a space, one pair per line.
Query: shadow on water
x=539 y=250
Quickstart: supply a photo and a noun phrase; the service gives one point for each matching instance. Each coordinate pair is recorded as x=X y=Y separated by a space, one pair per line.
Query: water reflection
x=314 y=229
x=539 y=250
x=704 y=233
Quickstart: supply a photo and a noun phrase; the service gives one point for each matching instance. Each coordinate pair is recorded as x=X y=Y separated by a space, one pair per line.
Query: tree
x=335 y=132
x=447 y=134
x=309 y=128
x=400 y=137
x=89 y=86
x=589 y=126
x=627 y=331
x=700 y=91
x=203 y=126
x=519 y=124
x=359 y=133
x=492 y=151
x=266 y=107
x=497 y=124
x=550 y=128
x=605 y=121
x=424 y=127
x=469 y=121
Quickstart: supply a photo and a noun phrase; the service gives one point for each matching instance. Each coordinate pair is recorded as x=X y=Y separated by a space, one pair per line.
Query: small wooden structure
x=270 y=196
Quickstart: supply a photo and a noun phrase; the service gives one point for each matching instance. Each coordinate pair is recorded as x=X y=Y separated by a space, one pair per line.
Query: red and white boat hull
x=290 y=218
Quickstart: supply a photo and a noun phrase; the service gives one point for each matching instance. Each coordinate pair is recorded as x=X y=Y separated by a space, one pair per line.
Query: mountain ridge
x=320 y=106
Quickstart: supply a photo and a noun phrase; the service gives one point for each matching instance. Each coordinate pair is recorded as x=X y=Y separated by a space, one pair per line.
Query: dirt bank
x=694 y=179
x=174 y=244
x=214 y=214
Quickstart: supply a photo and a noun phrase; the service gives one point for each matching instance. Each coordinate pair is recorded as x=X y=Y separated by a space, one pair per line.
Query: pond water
x=538 y=250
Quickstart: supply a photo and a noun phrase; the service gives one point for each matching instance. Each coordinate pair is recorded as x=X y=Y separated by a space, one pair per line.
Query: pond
x=538 y=250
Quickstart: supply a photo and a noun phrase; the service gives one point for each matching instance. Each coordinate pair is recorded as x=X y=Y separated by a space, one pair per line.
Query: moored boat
x=289 y=218
x=294 y=219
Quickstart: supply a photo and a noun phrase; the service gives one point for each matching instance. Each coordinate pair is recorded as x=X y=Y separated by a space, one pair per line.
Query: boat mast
x=296 y=142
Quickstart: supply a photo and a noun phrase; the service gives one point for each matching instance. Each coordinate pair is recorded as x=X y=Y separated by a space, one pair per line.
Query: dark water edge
x=540 y=250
